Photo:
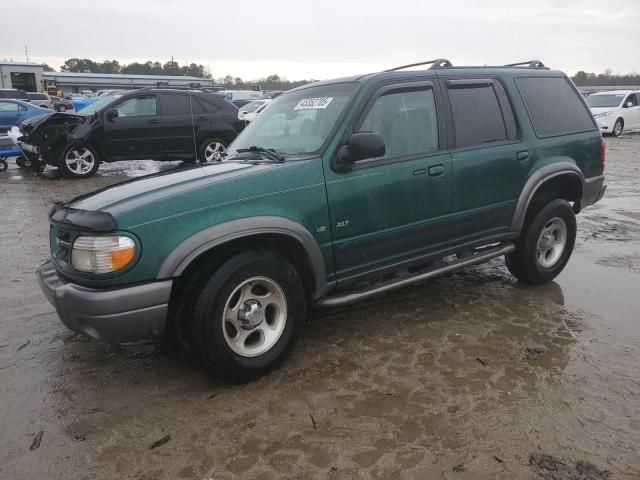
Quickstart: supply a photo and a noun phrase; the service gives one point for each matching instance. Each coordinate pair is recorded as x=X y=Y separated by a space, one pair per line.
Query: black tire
x=525 y=263
x=61 y=108
x=79 y=171
x=207 y=330
x=202 y=149
x=3 y=165
x=617 y=127
x=23 y=162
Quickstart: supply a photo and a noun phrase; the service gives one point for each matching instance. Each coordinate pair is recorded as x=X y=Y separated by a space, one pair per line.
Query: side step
x=433 y=272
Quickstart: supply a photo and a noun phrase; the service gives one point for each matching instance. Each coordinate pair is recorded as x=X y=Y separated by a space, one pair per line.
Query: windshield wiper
x=268 y=152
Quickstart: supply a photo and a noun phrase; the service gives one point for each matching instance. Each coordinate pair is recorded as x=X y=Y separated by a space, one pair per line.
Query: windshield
x=298 y=122
x=252 y=106
x=598 y=101
x=103 y=101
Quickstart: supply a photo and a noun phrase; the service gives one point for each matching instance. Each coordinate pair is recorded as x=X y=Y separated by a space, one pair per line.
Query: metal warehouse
x=32 y=78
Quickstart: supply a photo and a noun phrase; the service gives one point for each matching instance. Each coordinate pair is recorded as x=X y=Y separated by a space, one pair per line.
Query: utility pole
x=26 y=52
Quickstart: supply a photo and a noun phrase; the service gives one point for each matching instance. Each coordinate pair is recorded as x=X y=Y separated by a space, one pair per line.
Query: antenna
x=26 y=52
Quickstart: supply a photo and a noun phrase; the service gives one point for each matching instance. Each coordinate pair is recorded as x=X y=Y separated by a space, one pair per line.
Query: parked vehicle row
x=156 y=123
x=338 y=191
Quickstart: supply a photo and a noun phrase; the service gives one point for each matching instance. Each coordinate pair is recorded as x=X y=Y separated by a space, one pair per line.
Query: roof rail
x=528 y=63
x=437 y=63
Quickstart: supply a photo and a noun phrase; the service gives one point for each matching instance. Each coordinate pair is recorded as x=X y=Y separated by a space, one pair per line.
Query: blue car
x=12 y=112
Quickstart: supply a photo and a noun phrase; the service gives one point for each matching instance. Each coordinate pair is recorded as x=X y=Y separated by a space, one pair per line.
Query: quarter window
x=631 y=98
x=554 y=106
x=138 y=107
x=406 y=120
x=477 y=114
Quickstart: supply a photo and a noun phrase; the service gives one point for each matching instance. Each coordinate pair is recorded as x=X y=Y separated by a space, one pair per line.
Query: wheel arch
x=563 y=177
x=285 y=236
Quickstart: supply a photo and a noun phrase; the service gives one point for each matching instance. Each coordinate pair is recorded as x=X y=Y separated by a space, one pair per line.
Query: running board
x=393 y=284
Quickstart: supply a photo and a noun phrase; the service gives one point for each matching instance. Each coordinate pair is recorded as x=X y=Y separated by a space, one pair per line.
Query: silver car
x=40 y=99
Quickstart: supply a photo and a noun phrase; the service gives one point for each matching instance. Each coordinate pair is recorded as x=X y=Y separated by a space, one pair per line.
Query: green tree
x=79 y=65
x=47 y=68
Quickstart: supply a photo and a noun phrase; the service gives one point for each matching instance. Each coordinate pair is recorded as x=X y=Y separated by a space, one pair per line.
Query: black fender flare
x=533 y=184
x=187 y=251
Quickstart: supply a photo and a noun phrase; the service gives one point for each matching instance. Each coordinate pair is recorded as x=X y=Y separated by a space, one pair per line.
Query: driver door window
x=406 y=120
x=138 y=107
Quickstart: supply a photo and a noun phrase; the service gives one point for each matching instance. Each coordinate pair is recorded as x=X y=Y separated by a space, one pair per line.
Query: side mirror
x=360 y=146
x=111 y=113
x=629 y=104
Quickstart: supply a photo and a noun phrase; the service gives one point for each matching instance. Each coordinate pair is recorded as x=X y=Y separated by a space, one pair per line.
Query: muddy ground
x=472 y=376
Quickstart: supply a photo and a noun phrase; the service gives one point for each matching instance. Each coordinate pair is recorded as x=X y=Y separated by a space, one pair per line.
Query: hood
x=596 y=110
x=33 y=128
x=155 y=196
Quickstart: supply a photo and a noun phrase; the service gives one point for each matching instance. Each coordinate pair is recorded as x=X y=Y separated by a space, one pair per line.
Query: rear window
x=478 y=116
x=555 y=108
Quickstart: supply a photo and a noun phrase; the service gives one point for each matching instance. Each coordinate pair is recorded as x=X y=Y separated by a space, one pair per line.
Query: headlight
x=102 y=254
x=601 y=115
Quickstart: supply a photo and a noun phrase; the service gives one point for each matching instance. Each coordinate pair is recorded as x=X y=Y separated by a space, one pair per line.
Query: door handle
x=523 y=155
x=154 y=121
x=436 y=170
x=420 y=171
x=202 y=119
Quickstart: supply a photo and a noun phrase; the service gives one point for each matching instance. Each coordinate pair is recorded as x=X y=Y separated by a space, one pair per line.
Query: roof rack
x=528 y=63
x=437 y=63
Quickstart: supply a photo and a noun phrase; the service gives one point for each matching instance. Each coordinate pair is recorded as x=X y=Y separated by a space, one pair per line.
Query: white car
x=616 y=110
x=249 y=111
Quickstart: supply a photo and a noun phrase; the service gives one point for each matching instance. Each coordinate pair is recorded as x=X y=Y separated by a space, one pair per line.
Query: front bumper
x=122 y=314
x=592 y=191
x=605 y=124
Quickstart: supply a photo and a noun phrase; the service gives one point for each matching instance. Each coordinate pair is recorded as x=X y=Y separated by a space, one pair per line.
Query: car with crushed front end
x=339 y=191
x=150 y=123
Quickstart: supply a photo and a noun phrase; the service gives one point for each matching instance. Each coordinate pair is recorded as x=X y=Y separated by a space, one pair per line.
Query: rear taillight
x=602 y=154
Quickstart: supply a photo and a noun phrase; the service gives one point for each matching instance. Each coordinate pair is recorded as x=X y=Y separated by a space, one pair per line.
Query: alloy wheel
x=80 y=161
x=213 y=151
x=254 y=317
x=551 y=242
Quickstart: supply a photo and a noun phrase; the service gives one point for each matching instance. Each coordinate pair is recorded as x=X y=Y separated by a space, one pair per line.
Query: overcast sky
x=327 y=38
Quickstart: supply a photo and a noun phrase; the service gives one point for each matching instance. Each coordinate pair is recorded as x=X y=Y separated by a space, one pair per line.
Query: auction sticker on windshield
x=318 y=102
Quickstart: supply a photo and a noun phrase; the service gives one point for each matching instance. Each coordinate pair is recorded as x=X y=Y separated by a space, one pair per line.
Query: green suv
x=338 y=191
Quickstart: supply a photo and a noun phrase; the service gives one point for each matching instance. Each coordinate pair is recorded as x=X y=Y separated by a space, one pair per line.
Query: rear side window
x=175 y=104
x=9 y=107
x=554 y=106
x=478 y=115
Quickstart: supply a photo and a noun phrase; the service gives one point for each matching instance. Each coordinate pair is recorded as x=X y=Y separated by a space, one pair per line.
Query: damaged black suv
x=149 y=123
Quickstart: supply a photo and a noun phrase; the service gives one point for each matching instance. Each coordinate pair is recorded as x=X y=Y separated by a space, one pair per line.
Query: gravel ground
x=471 y=376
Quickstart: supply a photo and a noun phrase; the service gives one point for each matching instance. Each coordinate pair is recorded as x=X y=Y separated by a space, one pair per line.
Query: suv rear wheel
x=211 y=150
x=248 y=316
x=546 y=244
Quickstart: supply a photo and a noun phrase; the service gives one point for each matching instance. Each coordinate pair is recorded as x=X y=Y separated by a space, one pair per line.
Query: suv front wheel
x=546 y=244
x=80 y=162
x=248 y=316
